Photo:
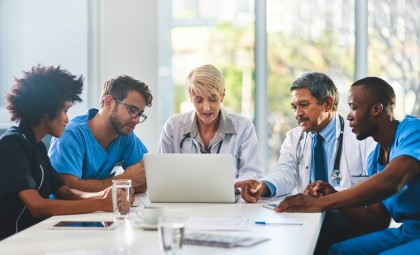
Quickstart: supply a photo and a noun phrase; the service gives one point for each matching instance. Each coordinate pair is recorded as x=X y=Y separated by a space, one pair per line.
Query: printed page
x=219 y=223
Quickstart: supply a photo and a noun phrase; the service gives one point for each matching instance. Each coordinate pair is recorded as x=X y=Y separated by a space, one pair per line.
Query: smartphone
x=97 y=225
x=270 y=206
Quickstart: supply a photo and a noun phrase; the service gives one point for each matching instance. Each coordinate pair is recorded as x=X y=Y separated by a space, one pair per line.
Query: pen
x=278 y=223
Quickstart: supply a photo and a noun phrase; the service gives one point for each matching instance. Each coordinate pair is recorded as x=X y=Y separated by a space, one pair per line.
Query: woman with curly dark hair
x=39 y=102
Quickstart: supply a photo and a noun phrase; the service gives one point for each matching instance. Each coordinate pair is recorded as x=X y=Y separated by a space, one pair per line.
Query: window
x=218 y=33
x=394 y=50
x=306 y=36
x=302 y=36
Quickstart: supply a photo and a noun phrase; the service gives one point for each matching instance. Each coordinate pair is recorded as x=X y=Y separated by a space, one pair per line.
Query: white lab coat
x=235 y=133
x=291 y=175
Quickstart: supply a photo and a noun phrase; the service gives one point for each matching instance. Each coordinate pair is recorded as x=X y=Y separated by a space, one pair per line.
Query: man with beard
x=95 y=145
x=393 y=190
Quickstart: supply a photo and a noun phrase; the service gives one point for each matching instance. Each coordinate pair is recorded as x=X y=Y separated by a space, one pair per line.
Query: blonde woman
x=210 y=128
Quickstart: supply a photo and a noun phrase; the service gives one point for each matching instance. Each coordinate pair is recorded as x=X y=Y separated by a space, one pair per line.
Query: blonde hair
x=203 y=80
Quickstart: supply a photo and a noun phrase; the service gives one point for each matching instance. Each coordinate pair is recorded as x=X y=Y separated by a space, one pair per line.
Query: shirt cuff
x=271 y=188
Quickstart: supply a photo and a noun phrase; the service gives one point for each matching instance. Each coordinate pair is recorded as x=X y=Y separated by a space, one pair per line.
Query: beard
x=117 y=125
x=366 y=128
x=362 y=136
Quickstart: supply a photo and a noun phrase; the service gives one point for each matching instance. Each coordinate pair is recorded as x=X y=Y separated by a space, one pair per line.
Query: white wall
x=128 y=42
x=39 y=32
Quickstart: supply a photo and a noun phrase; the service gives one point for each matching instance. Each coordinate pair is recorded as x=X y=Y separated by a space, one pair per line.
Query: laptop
x=189 y=178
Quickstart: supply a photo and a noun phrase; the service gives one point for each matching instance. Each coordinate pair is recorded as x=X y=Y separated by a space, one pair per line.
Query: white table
x=126 y=239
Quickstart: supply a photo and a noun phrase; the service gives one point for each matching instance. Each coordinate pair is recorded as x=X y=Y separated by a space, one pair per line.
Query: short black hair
x=42 y=91
x=320 y=86
x=118 y=88
x=379 y=91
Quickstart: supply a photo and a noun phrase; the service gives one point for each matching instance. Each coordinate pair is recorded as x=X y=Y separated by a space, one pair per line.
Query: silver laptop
x=196 y=178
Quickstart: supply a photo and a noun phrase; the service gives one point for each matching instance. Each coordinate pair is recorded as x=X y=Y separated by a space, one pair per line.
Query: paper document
x=225 y=241
x=219 y=223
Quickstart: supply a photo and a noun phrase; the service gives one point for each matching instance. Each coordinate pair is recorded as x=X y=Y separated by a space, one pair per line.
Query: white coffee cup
x=150 y=214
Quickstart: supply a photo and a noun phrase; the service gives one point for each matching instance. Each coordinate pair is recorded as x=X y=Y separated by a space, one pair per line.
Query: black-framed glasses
x=133 y=111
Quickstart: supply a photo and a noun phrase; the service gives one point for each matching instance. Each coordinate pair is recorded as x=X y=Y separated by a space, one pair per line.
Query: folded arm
x=135 y=173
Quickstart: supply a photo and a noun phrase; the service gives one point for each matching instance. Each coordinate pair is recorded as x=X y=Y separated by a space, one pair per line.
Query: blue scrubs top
x=78 y=153
x=403 y=206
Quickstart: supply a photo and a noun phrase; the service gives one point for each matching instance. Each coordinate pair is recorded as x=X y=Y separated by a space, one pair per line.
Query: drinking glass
x=121 y=198
x=171 y=233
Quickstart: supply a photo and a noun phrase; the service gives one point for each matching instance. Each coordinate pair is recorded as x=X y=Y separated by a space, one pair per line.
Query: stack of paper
x=219 y=224
x=215 y=240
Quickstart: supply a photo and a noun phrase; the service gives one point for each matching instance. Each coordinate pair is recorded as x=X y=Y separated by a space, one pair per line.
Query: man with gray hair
x=321 y=148
x=314 y=101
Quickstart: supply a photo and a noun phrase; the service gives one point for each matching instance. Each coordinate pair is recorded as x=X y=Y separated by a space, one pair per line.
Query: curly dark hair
x=42 y=91
x=118 y=88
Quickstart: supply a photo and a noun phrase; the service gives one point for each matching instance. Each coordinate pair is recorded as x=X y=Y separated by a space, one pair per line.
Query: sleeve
x=166 y=144
x=15 y=172
x=55 y=180
x=134 y=150
x=66 y=153
x=271 y=188
x=283 y=174
x=250 y=164
x=408 y=141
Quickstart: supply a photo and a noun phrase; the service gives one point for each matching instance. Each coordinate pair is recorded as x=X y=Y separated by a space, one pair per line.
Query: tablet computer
x=96 y=225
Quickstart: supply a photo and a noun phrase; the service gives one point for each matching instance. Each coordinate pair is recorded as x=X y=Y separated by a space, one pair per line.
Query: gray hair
x=320 y=86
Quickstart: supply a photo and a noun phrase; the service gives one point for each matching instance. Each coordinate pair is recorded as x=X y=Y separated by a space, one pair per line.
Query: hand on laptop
x=252 y=190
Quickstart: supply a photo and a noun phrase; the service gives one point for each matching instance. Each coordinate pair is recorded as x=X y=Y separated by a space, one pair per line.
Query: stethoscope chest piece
x=336 y=176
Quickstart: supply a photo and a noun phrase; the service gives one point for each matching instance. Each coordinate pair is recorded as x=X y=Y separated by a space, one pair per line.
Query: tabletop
x=130 y=239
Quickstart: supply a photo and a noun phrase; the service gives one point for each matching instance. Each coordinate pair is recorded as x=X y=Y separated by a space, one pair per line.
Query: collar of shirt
x=225 y=127
x=26 y=130
x=329 y=131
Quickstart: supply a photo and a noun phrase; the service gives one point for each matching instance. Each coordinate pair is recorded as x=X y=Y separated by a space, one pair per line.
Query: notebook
x=217 y=240
x=206 y=178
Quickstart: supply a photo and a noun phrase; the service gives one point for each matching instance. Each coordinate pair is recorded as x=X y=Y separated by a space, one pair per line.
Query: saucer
x=142 y=225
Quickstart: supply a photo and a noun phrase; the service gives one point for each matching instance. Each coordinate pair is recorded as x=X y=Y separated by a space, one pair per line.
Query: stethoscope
x=336 y=174
x=186 y=136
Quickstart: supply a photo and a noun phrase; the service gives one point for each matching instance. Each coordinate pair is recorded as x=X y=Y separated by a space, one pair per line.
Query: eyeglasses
x=133 y=111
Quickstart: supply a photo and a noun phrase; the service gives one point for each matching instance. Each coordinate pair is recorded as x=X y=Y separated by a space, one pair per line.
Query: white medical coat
x=291 y=174
x=235 y=132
